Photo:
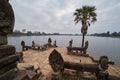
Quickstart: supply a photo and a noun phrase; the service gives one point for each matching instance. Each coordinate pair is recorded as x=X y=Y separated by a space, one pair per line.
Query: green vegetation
x=30 y=33
x=36 y=33
x=107 y=34
x=86 y=15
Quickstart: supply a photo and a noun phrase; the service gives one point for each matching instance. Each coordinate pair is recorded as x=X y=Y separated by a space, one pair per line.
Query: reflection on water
x=98 y=46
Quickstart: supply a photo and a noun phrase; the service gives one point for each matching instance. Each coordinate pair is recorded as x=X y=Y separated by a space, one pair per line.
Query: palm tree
x=86 y=15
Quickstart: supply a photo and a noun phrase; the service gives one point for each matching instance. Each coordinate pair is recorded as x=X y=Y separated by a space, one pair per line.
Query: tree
x=23 y=30
x=108 y=33
x=86 y=15
x=114 y=34
x=29 y=33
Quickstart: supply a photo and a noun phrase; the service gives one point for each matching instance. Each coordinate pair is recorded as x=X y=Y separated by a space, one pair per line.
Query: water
x=98 y=46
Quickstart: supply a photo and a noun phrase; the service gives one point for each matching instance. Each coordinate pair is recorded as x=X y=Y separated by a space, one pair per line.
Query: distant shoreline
x=47 y=35
x=106 y=36
x=63 y=35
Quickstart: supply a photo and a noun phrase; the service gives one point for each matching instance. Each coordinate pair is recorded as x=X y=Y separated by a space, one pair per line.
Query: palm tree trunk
x=83 y=38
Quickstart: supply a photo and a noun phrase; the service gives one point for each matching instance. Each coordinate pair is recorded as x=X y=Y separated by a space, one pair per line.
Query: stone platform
x=40 y=59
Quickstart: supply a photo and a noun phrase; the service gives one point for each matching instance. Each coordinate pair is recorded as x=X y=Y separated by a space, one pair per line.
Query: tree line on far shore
x=29 y=33
x=107 y=34
x=35 y=33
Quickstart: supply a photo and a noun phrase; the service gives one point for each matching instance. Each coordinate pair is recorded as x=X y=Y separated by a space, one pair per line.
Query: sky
x=56 y=16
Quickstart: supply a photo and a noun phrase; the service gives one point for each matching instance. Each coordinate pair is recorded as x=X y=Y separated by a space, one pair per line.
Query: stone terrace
x=40 y=59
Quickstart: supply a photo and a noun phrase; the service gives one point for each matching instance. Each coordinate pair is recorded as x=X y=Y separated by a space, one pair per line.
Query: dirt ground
x=40 y=59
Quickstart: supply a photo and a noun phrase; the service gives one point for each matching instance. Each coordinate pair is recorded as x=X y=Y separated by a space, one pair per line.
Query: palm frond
x=85 y=14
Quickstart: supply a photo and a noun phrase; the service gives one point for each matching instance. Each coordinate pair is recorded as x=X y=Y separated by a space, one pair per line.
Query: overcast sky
x=57 y=15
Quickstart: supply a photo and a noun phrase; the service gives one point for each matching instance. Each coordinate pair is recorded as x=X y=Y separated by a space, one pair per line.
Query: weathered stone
x=26 y=48
x=56 y=76
x=9 y=75
x=6 y=50
x=70 y=43
x=33 y=44
x=25 y=66
x=6 y=20
x=27 y=75
x=77 y=50
x=7 y=68
x=81 y=67
x=22 y=43
x=3 y=39
x=55 y=45
x=7 y=16
x=56 y=61
x=49 y=42
x=20 y=56
x=58 y=64
x=9 y=60
x=71 y=49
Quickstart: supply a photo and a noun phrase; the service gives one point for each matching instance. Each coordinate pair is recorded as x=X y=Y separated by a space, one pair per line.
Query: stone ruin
x=6 y=20
x=9 y=58
x=49 y=42
x=8 y=62
x=77 y=50
x=58 y=65
x=70 y=43
x=35 y=46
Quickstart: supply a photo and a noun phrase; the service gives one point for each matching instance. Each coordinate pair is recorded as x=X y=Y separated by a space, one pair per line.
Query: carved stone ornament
x=7 y=20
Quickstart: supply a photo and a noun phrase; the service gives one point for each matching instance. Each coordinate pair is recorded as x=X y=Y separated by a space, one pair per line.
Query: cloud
x=57 y=15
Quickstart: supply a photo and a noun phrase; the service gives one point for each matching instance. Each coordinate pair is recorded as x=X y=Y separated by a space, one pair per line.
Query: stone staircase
x=9 y=70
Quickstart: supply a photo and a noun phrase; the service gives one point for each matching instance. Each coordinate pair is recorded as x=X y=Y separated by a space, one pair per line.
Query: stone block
x=9 y=60
x=27 y=75
x=7 y=68
x=6 y=50
x=3 y=39
x=9 y=75
x=20 y=56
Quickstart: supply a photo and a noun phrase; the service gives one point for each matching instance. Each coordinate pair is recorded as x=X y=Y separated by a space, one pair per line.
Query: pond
x=98 y=46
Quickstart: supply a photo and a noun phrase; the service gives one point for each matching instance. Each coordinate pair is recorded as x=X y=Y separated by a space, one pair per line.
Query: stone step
x=8 y=60
x=6 y=50
x=7 y=68
x=9 y=75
